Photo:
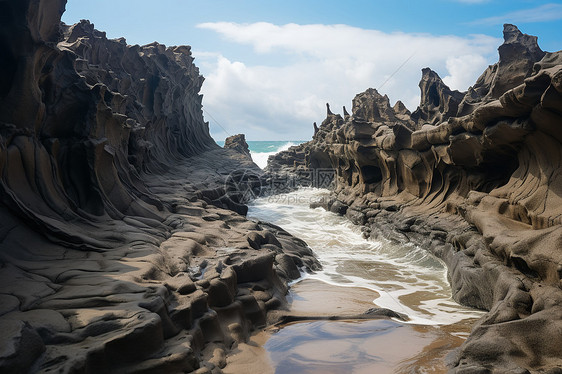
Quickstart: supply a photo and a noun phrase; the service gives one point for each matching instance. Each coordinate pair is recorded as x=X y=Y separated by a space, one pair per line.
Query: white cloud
x=315 y=64
x=463 y=69
x=543 y=13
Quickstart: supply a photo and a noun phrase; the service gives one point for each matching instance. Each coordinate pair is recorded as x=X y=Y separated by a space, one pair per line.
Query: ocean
x=261 y=150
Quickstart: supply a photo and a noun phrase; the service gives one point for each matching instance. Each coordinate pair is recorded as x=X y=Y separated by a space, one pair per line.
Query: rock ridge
x=120 y=247
x=474 y=177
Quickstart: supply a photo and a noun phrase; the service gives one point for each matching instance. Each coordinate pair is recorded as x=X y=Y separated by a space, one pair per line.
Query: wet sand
x=350 y=346
x=311 y=297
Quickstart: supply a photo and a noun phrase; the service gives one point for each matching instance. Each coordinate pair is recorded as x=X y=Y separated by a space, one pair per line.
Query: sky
x=271 y=66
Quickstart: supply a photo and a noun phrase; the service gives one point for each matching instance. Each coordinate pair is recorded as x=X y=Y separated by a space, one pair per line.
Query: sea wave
x=407 y=278
x=260 y=158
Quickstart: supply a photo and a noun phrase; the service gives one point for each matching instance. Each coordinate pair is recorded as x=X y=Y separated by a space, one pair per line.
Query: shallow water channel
x=359 y=274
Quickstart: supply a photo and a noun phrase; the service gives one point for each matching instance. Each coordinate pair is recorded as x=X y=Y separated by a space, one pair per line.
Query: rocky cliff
x=476 y=178
x=116 y=254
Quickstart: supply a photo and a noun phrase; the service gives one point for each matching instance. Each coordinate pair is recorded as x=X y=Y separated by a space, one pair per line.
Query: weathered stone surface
x=473 y=177
x=238 y=143
x=120 y=250
x=438 y=101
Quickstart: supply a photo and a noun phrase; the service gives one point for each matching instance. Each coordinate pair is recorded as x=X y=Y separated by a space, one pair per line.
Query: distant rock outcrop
x=238 y=143
x=476 y=178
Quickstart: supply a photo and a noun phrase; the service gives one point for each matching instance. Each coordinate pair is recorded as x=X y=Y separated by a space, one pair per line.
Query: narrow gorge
x=124 y=241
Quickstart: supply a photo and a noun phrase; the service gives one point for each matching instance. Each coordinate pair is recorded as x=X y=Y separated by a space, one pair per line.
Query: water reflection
x=375 y=346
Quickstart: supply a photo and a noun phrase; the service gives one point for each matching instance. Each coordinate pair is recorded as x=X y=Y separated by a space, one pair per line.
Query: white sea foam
x=260 y=158
x=408 y=279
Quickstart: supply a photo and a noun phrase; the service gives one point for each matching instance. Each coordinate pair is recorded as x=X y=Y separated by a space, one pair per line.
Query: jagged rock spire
x=438 y=101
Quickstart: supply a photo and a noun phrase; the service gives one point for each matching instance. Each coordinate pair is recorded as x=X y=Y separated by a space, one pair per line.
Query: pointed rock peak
x=511 y=34
x=328 y=111
x=431 y=81
x=427 y=73
x=437 y=99
x=345 y=113
x=86 y=22
x=373 y=107
x=523 y=44
x=372 y=92
x=400 y=108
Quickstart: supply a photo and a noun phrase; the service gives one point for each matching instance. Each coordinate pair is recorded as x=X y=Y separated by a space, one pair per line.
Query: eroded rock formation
x=476 y=178
x=238 y=143
x=116 y=254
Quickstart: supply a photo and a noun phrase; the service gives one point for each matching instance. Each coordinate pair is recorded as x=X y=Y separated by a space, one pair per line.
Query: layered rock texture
x=116 y=252
x=238 y=143
x=475 y=177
